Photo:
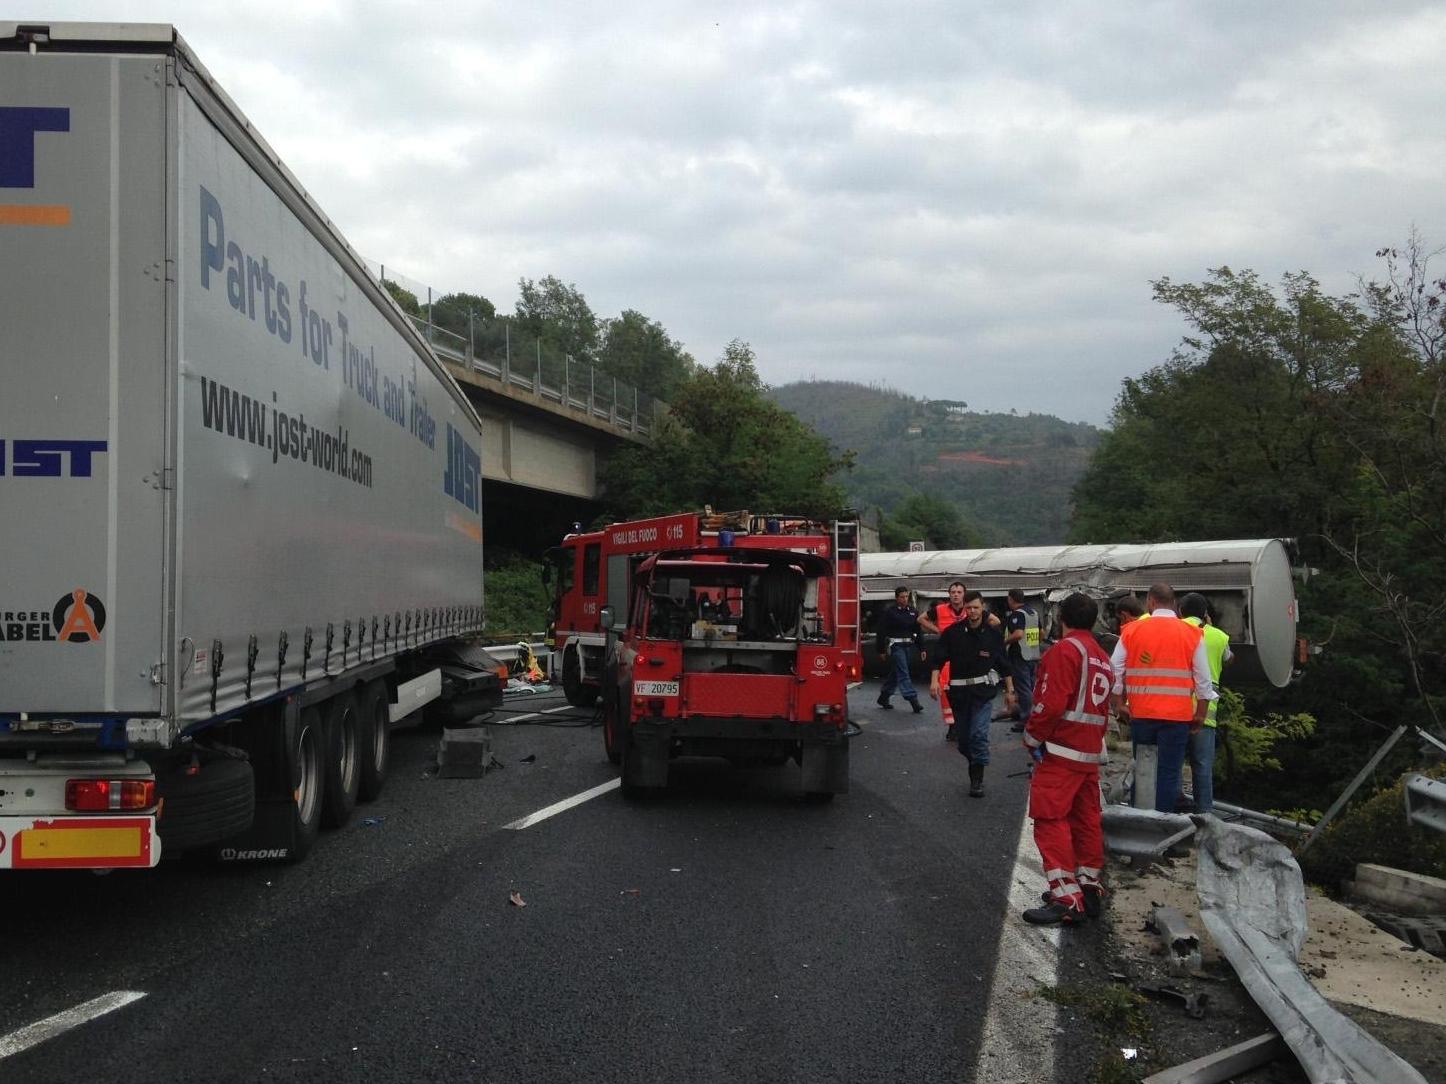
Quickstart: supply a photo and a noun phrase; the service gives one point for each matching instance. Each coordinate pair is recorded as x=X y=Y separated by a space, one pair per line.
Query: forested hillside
x=1010 y=475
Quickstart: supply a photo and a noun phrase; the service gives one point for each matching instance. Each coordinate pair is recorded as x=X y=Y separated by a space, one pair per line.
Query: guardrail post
x=471 y=340
x=507 y=351
x=537 y=382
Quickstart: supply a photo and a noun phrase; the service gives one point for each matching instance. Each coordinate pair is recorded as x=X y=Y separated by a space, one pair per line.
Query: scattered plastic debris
x=530 y=758
x=372 y=822
x=516 y=900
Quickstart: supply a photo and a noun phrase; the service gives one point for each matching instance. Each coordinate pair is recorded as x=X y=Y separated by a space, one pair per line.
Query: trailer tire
x=307 y=779
x=577 y=694
x=341 y=761
x=373 y=738
x=215 y=803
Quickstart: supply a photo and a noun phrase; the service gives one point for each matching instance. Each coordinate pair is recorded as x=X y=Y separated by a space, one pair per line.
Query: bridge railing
x=495 y=349
x=498 y=349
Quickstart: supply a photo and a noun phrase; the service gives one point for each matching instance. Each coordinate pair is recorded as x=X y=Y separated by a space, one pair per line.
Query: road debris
x=1224 y=1064
x=1182 y=944
x=1252 y=901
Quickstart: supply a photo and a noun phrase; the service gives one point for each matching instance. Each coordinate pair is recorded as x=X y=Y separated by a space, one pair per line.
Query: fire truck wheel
x=578 y=694
x=373 y=739
x=341 y=762
x=614 y=736
x=632 y=769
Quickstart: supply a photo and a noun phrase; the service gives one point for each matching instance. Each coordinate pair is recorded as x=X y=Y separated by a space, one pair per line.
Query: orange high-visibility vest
x=1159 y=669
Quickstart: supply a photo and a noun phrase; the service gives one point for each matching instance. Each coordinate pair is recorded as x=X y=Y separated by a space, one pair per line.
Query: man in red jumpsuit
x=1065 y=734
x=935 y=620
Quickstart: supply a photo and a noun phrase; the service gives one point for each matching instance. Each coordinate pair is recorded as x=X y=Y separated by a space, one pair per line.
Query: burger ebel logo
x=76 y=618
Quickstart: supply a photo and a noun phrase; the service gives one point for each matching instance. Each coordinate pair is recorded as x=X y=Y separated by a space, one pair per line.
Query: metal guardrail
x=1426 y=802
x=551 y=377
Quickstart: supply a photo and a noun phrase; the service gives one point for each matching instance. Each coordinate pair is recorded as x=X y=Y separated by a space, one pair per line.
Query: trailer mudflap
x=271 y=837
x=79 y=842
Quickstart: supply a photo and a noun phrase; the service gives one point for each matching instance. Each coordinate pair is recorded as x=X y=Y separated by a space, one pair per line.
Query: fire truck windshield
x=707 y=600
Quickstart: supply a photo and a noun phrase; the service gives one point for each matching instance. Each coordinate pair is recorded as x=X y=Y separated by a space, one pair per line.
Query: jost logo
x=19 y=126
x=50 y=458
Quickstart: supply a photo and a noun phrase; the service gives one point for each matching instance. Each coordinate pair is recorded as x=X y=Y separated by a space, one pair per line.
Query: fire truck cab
x=591 y=570
x=728 y=652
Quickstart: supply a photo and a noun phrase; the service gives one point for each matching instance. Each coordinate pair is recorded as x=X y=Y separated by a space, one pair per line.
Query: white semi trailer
x=1248 y=582
x=240 y=503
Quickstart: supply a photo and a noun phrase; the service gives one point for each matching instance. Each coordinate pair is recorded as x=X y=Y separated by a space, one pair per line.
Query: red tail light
x=109 y=795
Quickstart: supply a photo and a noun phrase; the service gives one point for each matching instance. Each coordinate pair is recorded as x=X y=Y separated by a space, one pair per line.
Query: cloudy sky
x=955 y=200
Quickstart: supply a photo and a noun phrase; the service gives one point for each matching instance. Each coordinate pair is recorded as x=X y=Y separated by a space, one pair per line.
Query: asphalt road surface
x=723 y=931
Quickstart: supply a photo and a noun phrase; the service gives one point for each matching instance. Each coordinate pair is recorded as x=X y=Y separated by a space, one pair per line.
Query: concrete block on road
x=464 y=753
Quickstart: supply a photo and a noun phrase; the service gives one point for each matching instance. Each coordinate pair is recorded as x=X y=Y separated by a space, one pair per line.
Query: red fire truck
x=595 y=569
x=729 y=651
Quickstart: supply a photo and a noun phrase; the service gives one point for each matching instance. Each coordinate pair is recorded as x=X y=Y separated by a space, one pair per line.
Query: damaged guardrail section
x=1252 y=902
x=1426 y=802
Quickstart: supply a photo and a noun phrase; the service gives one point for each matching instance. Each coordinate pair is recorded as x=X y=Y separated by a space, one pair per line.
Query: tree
x=937 y=522
x=458 y=313
x=558 y=315
x=639 y=352
x=403 y=297
x=723 y=443
x=1302 y=415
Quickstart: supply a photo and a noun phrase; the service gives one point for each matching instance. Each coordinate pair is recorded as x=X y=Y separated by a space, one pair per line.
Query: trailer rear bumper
x=84 y=841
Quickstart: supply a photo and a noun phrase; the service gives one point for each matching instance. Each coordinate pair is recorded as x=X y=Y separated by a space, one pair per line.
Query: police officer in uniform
x=974 y=652
x=898 y=627
x=1021 y=641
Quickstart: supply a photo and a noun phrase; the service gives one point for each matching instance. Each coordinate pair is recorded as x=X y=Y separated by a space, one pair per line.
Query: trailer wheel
x=577 y=694
x=374 y=738
x=303 y=762
x=341 y=761
x=215 y=802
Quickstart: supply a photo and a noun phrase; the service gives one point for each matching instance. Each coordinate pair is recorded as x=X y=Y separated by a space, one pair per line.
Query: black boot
x=1053 y=914
x=914 y=703
x=883 y=702
x=976 y=780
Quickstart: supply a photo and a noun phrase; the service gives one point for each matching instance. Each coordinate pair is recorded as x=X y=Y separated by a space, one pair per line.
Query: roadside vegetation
x=1289 y=412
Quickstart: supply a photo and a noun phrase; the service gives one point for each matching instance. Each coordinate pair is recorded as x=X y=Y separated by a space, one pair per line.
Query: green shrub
x=517 y=601
x=1247 y=743
x=1376 y=831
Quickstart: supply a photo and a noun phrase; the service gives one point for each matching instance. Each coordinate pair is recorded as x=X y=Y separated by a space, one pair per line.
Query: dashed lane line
x=563 y=806
x=42 y=1030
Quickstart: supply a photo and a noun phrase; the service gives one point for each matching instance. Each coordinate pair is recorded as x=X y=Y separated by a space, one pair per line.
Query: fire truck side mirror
x=605 y=618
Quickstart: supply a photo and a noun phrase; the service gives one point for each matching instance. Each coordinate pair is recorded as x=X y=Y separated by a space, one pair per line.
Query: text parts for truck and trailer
x=225 y=268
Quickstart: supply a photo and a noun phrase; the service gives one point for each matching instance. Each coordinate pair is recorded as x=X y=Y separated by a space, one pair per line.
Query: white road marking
x=564 y=805
x=535 y=714
x=1017 y=1045
x=38 y=1032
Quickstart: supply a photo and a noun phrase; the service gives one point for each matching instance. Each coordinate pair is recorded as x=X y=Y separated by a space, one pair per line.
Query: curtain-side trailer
x=240 y=500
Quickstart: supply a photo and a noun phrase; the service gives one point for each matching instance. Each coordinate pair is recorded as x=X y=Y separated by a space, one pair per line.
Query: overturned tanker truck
x=1248 y=582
